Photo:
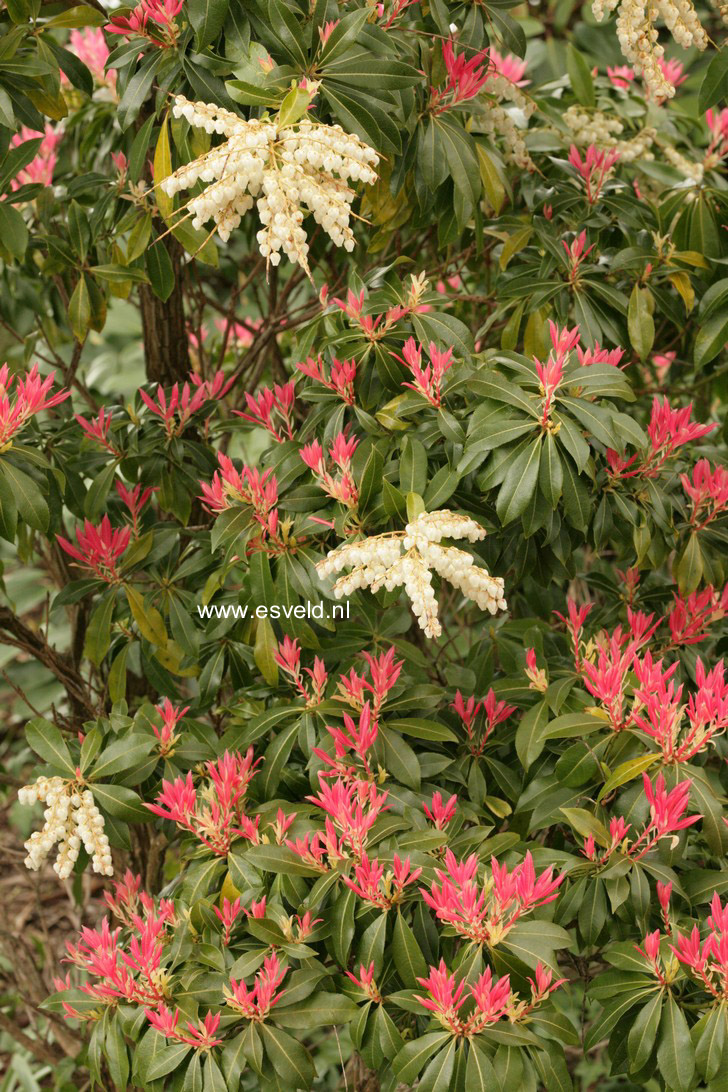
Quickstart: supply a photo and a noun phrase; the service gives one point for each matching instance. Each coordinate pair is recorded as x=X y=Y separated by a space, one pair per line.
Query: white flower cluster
x=721 y=6
x=286 y=172
x=495 y=119
x=600 y=129
x=379 y=562
x=638 y=35
x=691 y=170
x=592 y=128
x=71 y=819
x=637 y=147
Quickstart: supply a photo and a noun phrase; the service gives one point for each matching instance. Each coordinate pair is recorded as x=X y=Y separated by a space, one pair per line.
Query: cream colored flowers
x=71 y=820
x=598 y=128
x=407 y=559
x=286 y=171
x=638 y=35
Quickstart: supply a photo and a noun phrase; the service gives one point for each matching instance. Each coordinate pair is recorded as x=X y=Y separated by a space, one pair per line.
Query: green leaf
x=289 y=1059
x=613 y=1012
x=445 y=330
x=530 y=739
x=430 y=730
x=580 y=76
x=293 y=108
x=240 y=736
x=147 y=618
x=358 y=114
x=319 y=1011
x=47 y=742
x=121 y=802
x=8 y=509
x=413 y=466
x=400 y=760
x=712 y=335
x=627 y=771
x=584 y=823
x=95 y=500
x=508 y=1066
x=122 y=755
x=715 y=82
x=98 y=632
x=371 y=945
x=675 y=1053
x=271 y=858
x=690 y=566
x=640 y=323
x=79 y=231
x=592 y=911
x=365 y=69
x=643 y=1032
x=249 y=94
x=266 y=646
x=163 y=169
x=138 y=88
x=574 y=724
x=408 y=959
x=342 y=925
x=459 y=150
x=213 y=1080
x=711 y=1042
x=79 y=309
x=81 y=16
x=551 y=1065
x=438 y=1075
x=479 y=1073
x=371 y=479
x=116 y=1054
x=193 y=1074
x=13 y=233
x=275 y=758
x=159 y=268
x=410 y=1060
x=577 y=503
x=440 y=488
x=551 y=472
x=167 y=1061
x=706 y=803
x=207 y=18
x=536 y=942
x=519 y=484
x=139 y=149
x=495 y=191
x=117 y=675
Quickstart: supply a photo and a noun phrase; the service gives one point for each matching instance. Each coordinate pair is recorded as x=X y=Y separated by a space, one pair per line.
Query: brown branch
x=33 y=1046
x=21 y=636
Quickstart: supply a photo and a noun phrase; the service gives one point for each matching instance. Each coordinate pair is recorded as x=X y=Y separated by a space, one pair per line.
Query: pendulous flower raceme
x=72 y=820
x=638 y=35
x=286 y=171
x=379 y=562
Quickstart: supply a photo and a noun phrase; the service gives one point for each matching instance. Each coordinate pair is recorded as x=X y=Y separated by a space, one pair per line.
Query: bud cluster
x=286 y=172
x=638 y=35
x=71 y=820
x=379 y=562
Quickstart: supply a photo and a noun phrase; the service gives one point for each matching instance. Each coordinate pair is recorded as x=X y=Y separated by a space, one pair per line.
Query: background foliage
x=487 y=225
